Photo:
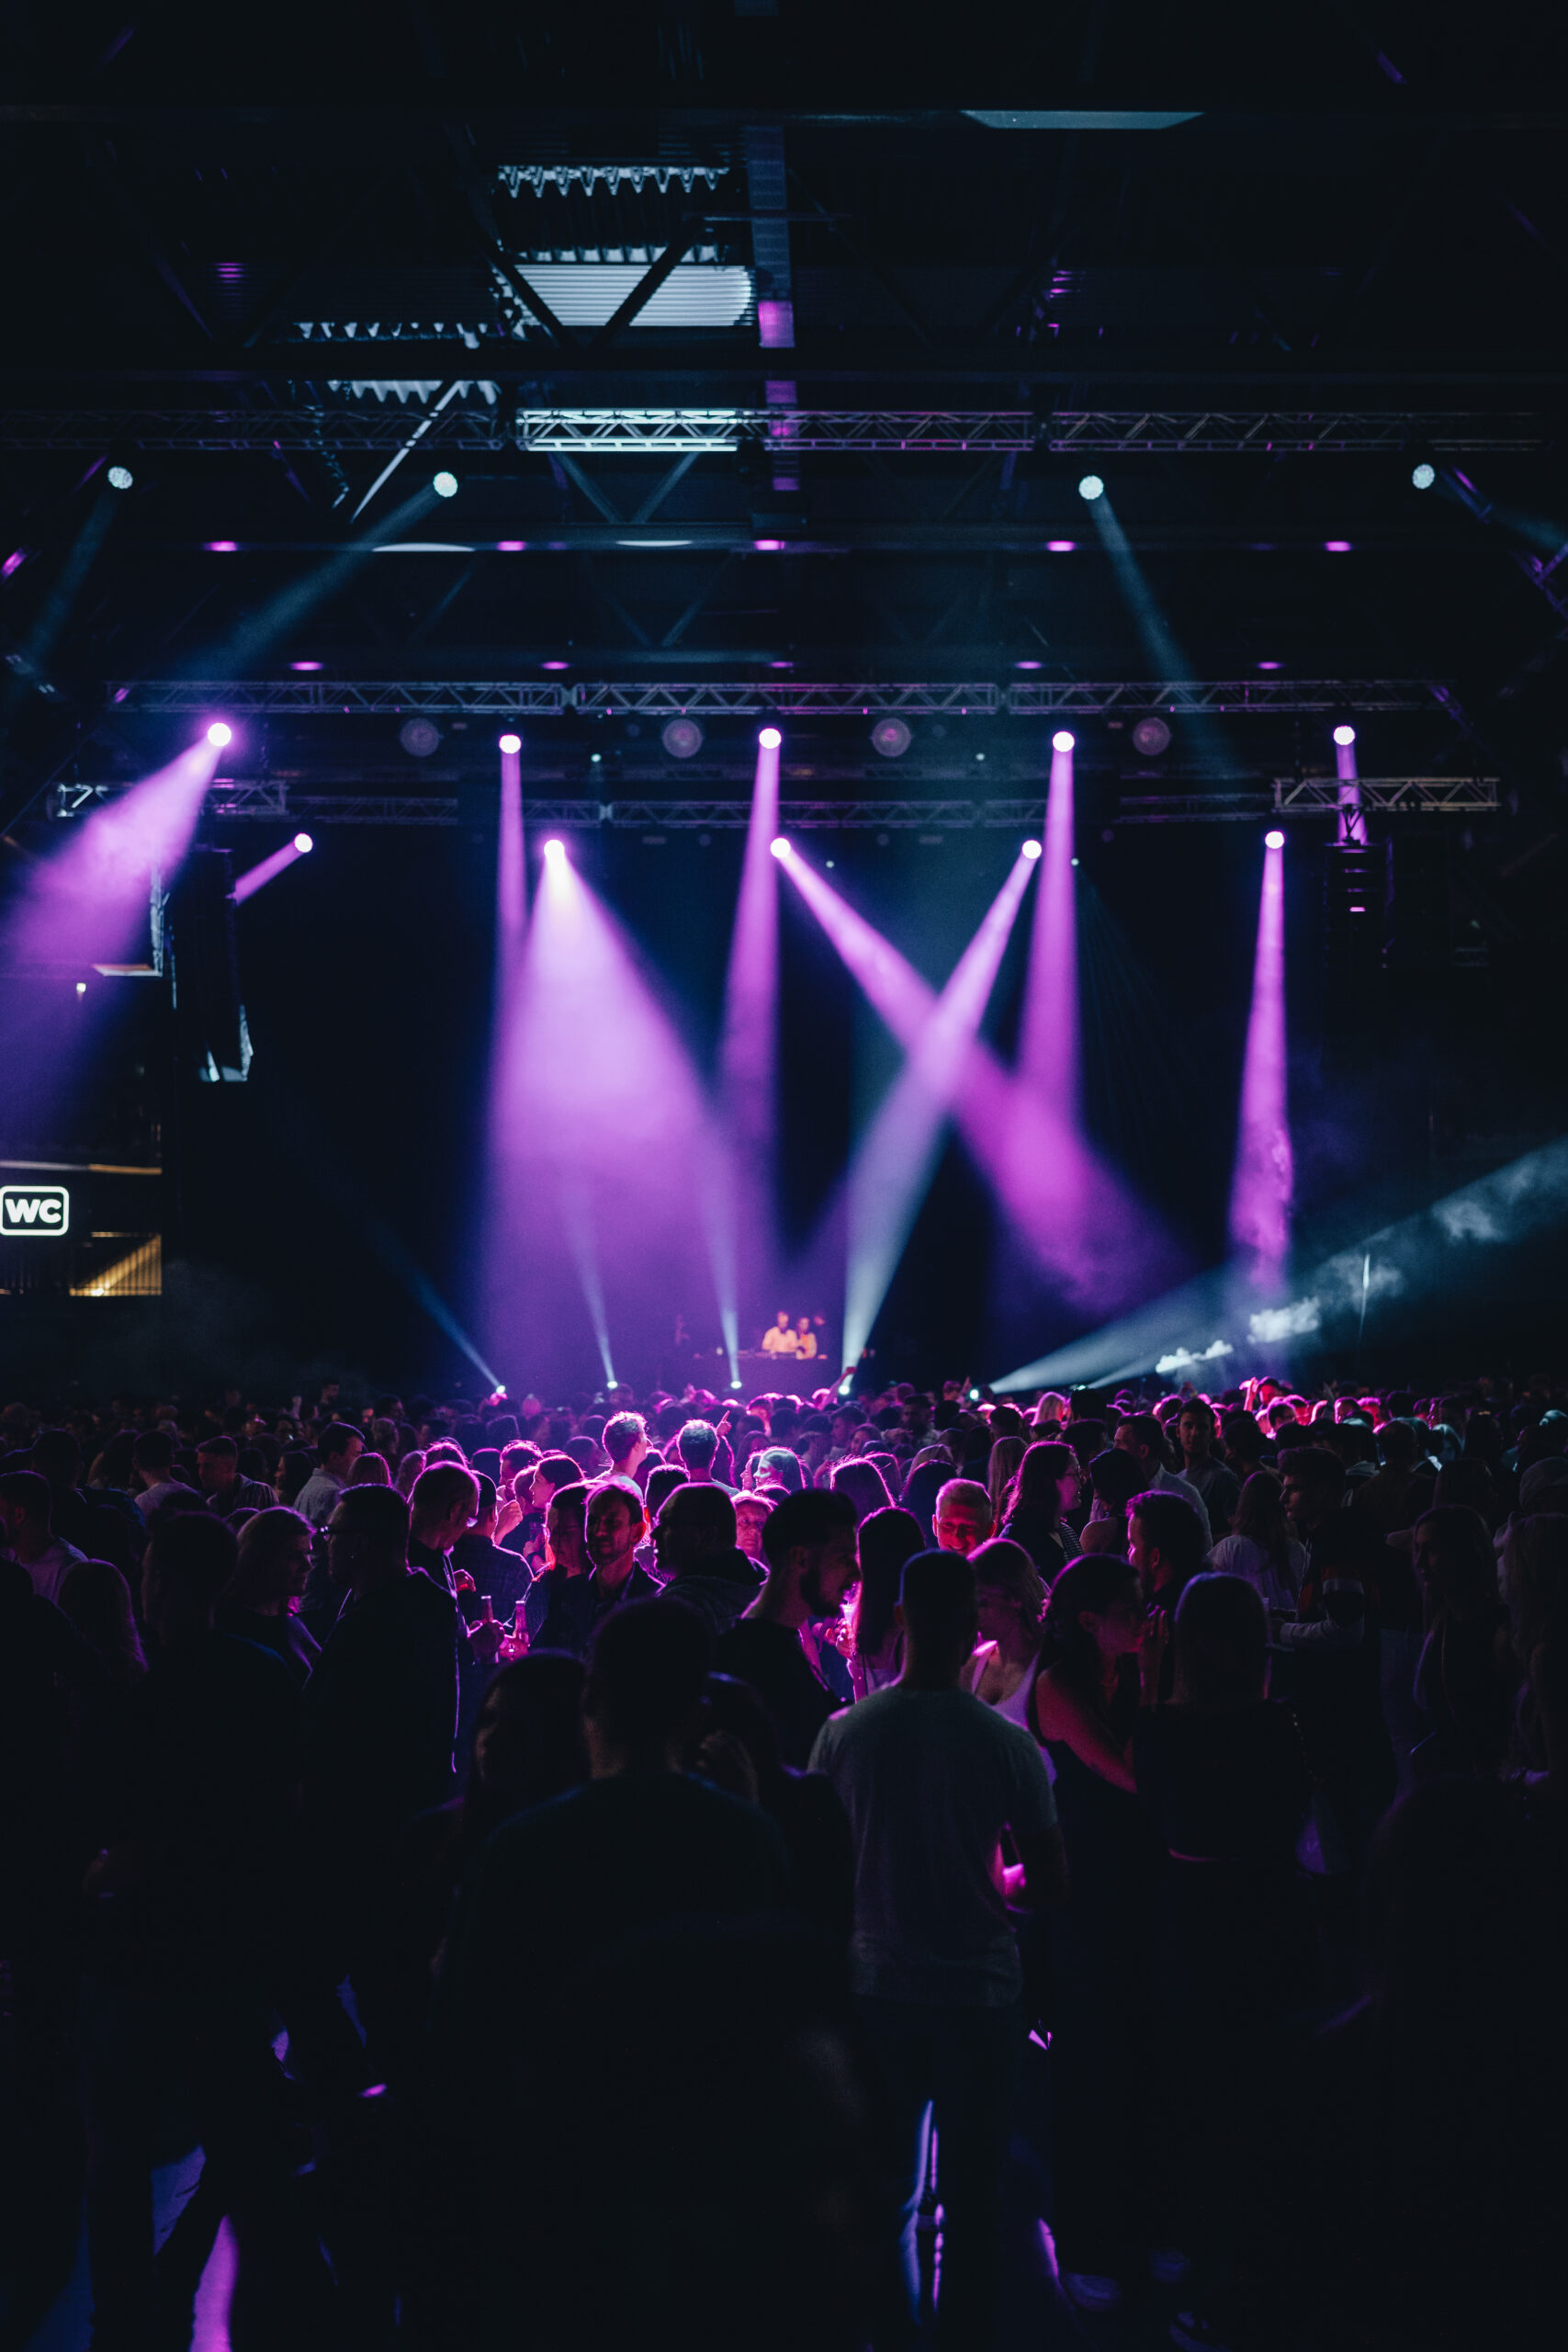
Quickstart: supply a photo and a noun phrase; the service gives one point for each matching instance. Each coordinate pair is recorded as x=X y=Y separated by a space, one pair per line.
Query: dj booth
x=785 y=1375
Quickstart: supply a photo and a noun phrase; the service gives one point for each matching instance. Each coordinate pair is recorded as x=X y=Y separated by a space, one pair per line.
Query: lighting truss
x=603 y=430
x=513 y=698
x=340 y=697
x=1332 y=430
x=1410 y=796
x=516 y=177
x=1048 y=697
x=380 y=429
x=373 y=421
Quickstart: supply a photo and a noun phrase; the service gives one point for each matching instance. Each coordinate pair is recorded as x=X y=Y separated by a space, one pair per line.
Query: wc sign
x=40 y=1209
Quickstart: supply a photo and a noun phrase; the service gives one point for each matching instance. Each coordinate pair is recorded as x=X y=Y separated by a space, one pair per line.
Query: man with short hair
x=694 y=1538
x=930 y=1779
x=152 y=1460
x=1218 y=1486
x=626 y=1441
x=1165 y=1544
x=809 y=1544
x=615 y=1524
x=696 y=1442
x=964 y=1519
x=337 y=1449
x=218 y=1467
x=441 y=1508
x=780 y=1339
x=27 y=1524
x=1141 y=1436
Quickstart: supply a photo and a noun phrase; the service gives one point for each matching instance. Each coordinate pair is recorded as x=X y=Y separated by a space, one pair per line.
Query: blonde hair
x=1008 y=1566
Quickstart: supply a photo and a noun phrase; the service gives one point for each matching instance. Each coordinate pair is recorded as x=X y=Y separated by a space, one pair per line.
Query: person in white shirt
x=153 y=1458
x=930 y=1777
x=780 y=1340
x=24 y=1506
x=336 y=1452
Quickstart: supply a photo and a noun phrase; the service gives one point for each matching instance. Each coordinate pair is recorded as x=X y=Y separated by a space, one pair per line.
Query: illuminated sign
x=40 y=1209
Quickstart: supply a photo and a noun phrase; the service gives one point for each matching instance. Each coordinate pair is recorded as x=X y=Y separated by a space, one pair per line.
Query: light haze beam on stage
x=1263 y=1185
x=89 y=903
x=738 y=1180
x=1165 y=657
x=594 y=1104
x=1048 y=1044
x=897 y=1157
x=256 y=877
x=1088 y=1234
x=260 y=634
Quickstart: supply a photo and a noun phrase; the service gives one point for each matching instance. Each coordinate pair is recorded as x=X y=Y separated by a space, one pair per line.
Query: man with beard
x=809 y=1544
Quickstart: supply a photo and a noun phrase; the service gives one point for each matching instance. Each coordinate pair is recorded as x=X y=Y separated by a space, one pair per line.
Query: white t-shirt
x=1238 y=1555
x=147 y=1502
x=928 y=1779
x=47 y=1571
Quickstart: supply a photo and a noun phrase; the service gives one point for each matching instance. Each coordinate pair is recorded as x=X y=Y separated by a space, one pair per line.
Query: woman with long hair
x=1101 y=1661
x=887 y=1538
x=1260 y=1546
x=1009 y=1594
x=1001 y=1469
x=1046 y=1485
x=864 y=1485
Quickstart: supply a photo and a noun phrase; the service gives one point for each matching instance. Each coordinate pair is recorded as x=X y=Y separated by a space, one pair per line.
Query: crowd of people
x=789 y=1871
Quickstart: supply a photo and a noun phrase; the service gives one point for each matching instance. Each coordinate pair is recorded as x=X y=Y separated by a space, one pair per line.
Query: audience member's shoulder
x=252 y=1665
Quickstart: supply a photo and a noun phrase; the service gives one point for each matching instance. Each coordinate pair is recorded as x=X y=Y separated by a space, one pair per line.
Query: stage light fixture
x=1274 y=840
x=219 y=733
x=1423 y=476
x=443 y=484
x=1061 y=546
x=511 y=744
x=1091 y=488
x=779 y=848
x=304 y=844
x=556 y=852
x=1151 y=736
x=418 y=737
x=683 y=738
x=1031 y=851
x=770 y=739
x=120 y=477
x=891 y=737
x=1344 y=735
x=1062 y=741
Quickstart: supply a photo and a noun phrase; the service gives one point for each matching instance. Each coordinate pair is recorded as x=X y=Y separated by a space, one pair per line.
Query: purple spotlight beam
x=1048 y=1058
x=1092 y=1238
x=1264 y=1180
x=895 y=1159
x=737 y=1194
x=256 y=877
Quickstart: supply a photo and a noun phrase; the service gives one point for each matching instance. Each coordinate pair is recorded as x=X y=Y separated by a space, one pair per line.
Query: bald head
x=696 y=1527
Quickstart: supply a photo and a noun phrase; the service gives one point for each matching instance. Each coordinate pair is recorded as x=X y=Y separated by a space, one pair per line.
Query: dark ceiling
x=1335 y=239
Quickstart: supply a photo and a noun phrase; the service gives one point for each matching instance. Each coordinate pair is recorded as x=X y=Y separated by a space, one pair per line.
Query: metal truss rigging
x=1103 y=433
x=1033 y=698
x=603 y=430
x=270 y=799
x=374 y=423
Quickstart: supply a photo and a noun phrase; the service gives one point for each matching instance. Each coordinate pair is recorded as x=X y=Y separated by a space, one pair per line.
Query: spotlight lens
x=443 y=484
x=1031 y=849
x=779 y=848
x=510 y=744
x=1275 y=840
x=219 y=734
x=1062 y=741
x=555 y=851
x=120 y=477
x=1424 y=476
x=1343 y=735
x=1091 y=488
x=770 y=739
x=304 y=844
